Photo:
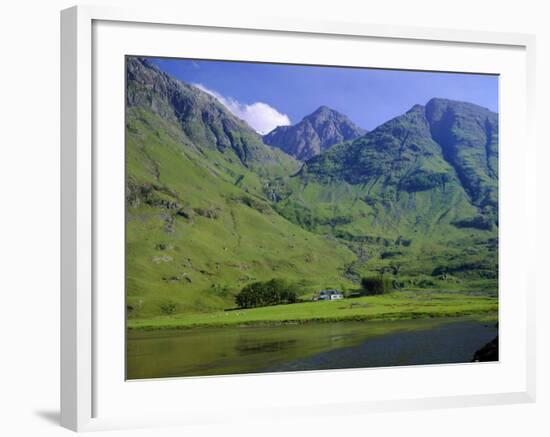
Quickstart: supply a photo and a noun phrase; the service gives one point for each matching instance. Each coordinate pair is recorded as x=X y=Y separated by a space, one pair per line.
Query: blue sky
x=267 y=95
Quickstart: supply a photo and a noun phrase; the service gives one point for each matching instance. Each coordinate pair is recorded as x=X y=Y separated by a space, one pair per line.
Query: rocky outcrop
x=489 y=352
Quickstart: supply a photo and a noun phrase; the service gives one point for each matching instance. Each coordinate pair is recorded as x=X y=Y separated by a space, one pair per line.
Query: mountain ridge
x=462 y=134
x=397 y=183
x=205 y=122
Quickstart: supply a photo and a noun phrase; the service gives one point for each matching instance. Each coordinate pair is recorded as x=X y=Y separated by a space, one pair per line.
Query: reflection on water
x=219 y=351
x=253 y=346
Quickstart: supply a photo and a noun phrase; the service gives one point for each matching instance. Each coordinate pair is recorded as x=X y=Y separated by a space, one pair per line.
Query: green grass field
x=393 y=306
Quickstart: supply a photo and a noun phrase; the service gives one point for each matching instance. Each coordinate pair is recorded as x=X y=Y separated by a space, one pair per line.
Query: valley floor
x=394 y=306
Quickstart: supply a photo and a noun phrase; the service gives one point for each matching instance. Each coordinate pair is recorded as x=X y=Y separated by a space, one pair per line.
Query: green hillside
x=401 y=204
x=199 y=223
x=211 y=208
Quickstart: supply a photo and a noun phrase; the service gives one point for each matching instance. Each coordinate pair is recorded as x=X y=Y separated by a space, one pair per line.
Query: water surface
x=314 y=346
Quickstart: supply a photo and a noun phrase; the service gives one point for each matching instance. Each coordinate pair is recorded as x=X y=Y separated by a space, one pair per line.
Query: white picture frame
x=85 y=377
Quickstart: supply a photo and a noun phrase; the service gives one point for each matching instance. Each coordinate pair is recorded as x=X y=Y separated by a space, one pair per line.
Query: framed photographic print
x=337 y=224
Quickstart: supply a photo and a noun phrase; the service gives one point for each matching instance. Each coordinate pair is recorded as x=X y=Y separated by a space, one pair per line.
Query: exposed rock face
x=468 y=135
x=314 y=134
x=489 y=352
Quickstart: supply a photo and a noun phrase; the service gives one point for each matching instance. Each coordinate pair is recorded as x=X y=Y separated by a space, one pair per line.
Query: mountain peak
x=205 y=122
x=323 y=112
x=320 y=110
x=416 y=108
x=444 y=141
x=438 y=103
x=317 y=132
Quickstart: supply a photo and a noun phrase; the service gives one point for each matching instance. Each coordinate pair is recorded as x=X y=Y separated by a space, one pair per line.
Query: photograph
x=292 y=217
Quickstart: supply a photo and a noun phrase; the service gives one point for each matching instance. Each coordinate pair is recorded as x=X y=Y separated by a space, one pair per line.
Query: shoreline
x=181 y=324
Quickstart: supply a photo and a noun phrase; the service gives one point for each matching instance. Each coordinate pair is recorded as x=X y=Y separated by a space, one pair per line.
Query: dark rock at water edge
x=489 y=352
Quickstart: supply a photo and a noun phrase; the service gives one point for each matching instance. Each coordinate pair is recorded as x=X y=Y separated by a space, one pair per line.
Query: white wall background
x=29 y=215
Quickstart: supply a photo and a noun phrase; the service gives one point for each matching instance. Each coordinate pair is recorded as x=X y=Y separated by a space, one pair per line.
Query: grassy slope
x=400 y=305
x=432 y=240
x=384 y=190
x=230 y=236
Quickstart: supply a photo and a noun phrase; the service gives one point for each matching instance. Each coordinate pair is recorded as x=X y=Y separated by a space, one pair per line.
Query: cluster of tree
x=272 y=292
x=374 y=285
x=483 y=222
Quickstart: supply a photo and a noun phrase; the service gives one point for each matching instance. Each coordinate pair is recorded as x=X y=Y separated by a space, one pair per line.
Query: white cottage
x=330 y=295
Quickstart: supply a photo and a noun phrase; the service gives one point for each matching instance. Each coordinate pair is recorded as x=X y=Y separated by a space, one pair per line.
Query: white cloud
x=260 y=116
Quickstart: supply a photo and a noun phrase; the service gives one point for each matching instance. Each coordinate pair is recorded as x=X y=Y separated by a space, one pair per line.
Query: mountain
x=200 y=189
x=428 y=178
x=205 y=124
x=444 y=144
x=314 y=134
